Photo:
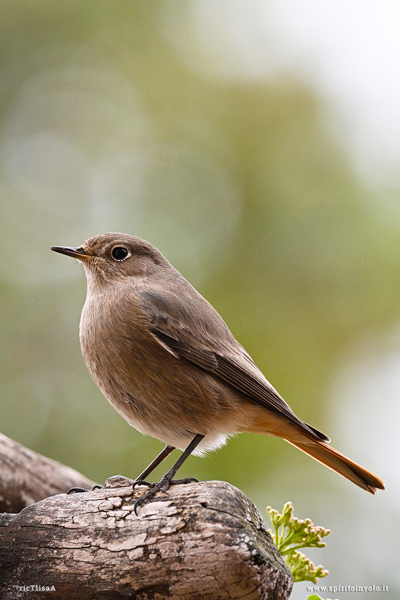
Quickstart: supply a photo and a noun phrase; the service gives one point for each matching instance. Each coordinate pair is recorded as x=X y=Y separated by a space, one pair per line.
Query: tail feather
x=336 y=461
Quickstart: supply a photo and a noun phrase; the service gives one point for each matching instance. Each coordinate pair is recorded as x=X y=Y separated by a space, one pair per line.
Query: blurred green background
x=257 y=146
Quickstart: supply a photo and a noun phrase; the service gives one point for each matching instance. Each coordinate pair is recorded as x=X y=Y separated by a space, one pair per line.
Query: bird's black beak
x=78 y=253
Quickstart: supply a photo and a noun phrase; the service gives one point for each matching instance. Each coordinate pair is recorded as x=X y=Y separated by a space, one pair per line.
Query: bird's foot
x=142 y=482
x=80 y=490
x=162 y=486
x=115 y=481
x=184 y=480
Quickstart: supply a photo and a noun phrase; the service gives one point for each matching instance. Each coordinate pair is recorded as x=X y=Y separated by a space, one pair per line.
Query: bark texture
x=200 y=541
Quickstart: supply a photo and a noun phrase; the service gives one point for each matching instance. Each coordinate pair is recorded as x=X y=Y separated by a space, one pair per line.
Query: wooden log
x=27 y=477
x=202 y=541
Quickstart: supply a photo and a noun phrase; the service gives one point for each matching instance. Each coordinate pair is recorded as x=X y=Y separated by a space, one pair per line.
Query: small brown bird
x=167 y=362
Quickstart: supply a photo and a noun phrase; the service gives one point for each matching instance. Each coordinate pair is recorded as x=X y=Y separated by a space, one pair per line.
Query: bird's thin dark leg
x=158 y=459
x=193 y=444
x=167 y=480
x=139 y=480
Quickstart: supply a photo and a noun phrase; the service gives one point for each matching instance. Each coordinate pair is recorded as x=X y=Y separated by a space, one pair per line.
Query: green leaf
x=290 y=535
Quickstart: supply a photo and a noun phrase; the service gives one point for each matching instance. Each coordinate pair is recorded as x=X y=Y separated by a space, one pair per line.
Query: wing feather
x=185 y=330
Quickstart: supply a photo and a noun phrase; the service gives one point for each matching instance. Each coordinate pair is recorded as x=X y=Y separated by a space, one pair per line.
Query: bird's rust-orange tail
x=305 y=438
x=336 y=461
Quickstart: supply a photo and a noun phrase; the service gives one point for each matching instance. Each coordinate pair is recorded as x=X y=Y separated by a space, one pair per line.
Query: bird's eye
x=119 y=253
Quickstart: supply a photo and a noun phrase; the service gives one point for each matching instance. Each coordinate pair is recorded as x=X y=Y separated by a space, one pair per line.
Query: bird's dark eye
x=119 y=253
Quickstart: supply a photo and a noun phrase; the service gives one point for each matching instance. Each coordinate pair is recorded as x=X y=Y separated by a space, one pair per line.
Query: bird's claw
x=162 y=486
x=184 y=480
x=142 y=482
x=81 y=490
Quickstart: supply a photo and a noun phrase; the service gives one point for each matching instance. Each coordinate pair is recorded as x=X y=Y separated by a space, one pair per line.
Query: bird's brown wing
x=183 y=328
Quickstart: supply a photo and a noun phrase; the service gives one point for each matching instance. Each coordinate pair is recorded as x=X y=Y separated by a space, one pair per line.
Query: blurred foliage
x=107 y=125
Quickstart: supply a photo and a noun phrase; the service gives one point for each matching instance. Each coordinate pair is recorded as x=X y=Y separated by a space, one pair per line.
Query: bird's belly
x=161 y=395
x=175 y=412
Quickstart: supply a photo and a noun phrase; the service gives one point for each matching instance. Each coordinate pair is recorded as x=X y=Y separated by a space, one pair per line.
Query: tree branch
x=27 y=477
x=199 y=541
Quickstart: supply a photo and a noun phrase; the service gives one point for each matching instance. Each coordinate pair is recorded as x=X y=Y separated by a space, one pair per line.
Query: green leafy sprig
x=290 y=535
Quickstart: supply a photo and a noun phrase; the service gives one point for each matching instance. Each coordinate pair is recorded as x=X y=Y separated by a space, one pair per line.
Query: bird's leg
x=140 y=480
x=167 y=480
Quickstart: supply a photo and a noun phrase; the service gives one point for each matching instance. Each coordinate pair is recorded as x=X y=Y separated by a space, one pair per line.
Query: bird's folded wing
x=186 y=332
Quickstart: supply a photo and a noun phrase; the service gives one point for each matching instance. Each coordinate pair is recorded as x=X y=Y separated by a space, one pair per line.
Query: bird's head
x=114 y=257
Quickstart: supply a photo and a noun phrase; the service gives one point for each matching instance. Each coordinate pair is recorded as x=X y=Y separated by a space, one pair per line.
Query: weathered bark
x=27 y=477
x=199 y=541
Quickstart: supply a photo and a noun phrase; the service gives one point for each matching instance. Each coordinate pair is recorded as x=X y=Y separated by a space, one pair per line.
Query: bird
x=167 y=362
